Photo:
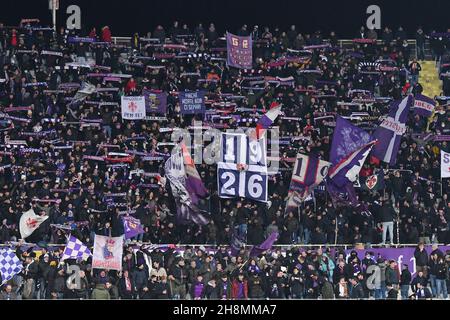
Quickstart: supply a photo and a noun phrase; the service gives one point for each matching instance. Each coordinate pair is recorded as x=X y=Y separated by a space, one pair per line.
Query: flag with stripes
x=267 y=119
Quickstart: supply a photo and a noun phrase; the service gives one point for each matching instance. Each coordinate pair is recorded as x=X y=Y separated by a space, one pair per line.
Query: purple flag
x=192 y=102
x=347 y=170
x=132 y=227
x=346 y=139
x=391 y=130
x=342 y=196
x=155 y=101
x=424 y=105
x=266 y=245
x=239 y=51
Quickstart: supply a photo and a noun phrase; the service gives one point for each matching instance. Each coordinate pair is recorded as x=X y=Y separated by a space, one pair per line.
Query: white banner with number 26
x=243 y=169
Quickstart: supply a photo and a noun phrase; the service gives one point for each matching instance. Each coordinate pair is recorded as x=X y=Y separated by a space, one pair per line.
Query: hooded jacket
x=100 y=293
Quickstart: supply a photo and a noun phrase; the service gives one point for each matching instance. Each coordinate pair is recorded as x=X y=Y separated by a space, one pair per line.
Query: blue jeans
x=404 y=291
x=441 y=287
x=242 y=230
x=381 y=292
x=433 y=284
x=307 y=237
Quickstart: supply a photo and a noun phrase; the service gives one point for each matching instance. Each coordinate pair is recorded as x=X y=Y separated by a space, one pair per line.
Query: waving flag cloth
x=194 y=183
x=346 y=139
x=132 y=227
x=239 y=51
x=391 y=130
x=81 y=95
x=372 y=183
x=29 y=222
x=343 y=175
x=237 y=242
x=186 y=190
x=266 y=245
x=267 y=119
x=10 y=265
x=347 y=170
x=75 y=249
x=308 y=173
x=424 y=105
x=108 y=252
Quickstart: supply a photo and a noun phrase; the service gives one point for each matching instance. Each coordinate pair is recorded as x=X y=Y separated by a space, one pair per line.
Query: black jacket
x=405 y=278
x=357 y=292
x=387 y=213
x=421 y=257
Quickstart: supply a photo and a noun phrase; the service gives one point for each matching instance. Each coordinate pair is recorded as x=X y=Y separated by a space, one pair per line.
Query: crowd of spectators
x=44 y=141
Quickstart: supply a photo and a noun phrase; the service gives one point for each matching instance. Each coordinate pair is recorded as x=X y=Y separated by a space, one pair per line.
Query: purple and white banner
x=239 y=51
x=400 y=255
x=155 y=101
x=192 y=102
x=391 y=130
x=424 y=105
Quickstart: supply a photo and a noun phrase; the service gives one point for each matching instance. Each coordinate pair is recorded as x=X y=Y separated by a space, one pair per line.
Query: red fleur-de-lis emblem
x=31 y=223
x=132 y=106
x=371 y=182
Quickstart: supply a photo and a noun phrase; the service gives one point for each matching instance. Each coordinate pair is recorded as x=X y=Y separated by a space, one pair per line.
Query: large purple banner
x=346 y=139
x=401 y=255
x=239 y=51
x=155 y=101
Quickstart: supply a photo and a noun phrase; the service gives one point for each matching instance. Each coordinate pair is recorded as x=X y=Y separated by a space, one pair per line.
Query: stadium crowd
x=44 y=142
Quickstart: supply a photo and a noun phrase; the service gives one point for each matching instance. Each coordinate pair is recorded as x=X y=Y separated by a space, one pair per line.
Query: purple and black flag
x=391 y=130
x=266 y=245
x=347 y=170
x=424 y=105
x=342 y=176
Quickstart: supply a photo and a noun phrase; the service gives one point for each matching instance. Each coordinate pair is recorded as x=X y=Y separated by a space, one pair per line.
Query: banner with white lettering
x=192 y=102
x=242 y=171
x=445 y=164
x=133 y=108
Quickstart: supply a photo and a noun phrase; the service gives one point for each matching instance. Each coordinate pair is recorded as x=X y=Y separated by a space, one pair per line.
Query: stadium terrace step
x=429 y=79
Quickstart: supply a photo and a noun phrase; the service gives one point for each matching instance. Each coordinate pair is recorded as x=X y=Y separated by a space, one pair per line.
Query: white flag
x=29 y=222
x=445 y=164
x=107 y=253
x=133 y=108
